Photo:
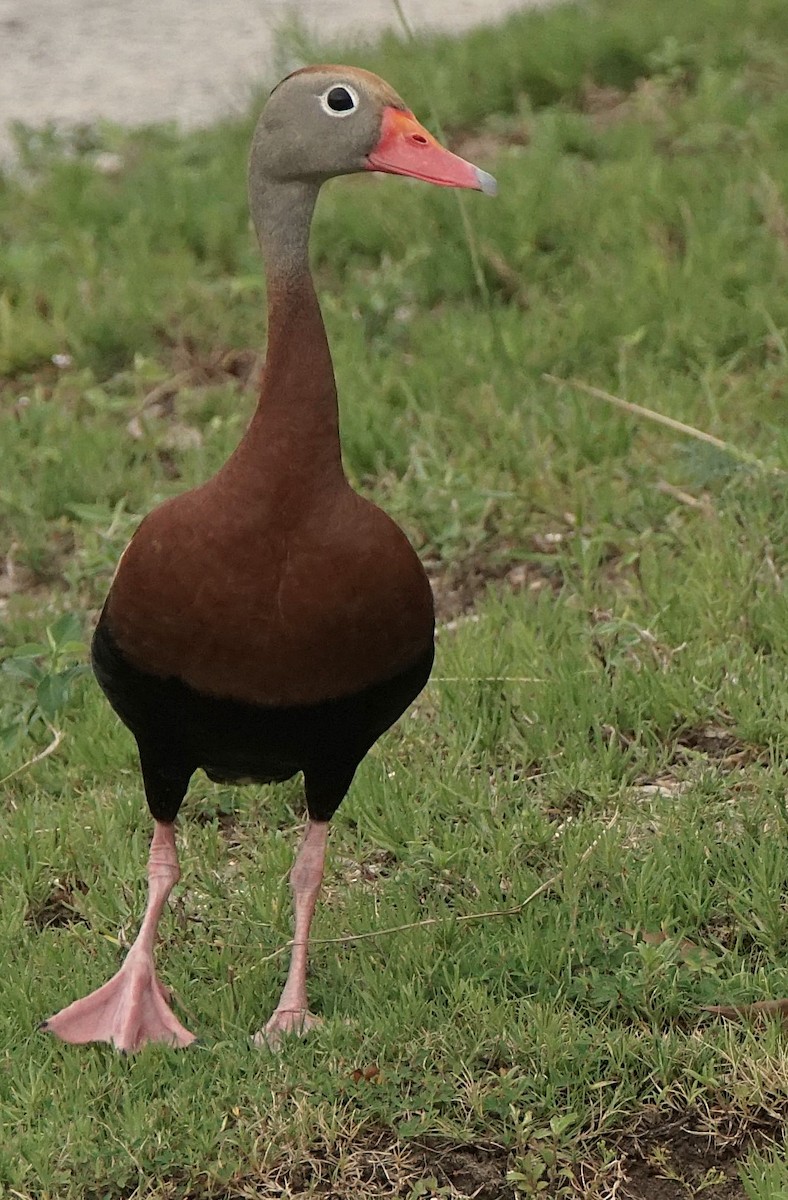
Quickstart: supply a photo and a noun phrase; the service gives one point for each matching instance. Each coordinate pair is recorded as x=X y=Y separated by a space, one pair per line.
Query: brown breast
x=257 y=607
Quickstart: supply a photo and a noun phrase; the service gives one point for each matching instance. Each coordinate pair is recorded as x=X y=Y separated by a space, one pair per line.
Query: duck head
x=332 y=120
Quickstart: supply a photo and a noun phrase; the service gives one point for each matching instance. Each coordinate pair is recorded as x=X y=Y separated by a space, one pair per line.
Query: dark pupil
x=339 y=100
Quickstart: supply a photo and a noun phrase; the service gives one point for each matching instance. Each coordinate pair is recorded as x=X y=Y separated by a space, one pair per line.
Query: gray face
x=320 y=122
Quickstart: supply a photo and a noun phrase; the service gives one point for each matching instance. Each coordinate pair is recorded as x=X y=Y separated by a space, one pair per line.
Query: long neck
x=294 y=432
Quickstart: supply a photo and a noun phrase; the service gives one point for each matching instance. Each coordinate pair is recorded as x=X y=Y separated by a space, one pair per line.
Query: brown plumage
x=272 y=620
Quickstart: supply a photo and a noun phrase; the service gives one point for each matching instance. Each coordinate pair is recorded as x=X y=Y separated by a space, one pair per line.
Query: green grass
x=610 y=716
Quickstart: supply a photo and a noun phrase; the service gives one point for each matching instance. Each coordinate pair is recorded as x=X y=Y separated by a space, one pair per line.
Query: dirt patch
x=677 y=1161
x=15 y=577
x=19 y=579
x=650 y=101
x=570 y=806
x=667 y=1160
x=60 y=907
x=367 y=872
x=194 y=367
x=377 y=1166
x=193 y=371
x=473 y=1171
x=231 y=823
x=458 y=586
x=686 y=1174
x=716 y=743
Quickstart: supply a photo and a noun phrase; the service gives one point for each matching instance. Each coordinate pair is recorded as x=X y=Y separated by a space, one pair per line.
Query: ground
x=575 y=845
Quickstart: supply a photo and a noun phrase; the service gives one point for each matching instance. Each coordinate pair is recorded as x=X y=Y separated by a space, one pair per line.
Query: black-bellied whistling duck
x=270 y=621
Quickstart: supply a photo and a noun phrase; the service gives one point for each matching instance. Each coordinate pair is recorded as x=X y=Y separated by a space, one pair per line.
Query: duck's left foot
x=286 y=1021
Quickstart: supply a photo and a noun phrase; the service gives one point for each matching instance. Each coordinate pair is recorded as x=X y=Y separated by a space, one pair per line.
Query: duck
x=270 y=621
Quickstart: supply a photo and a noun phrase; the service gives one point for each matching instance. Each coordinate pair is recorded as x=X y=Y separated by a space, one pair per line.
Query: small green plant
x=540 y=1167
x=428 y=1189
x=765 y=1177
x=46 y=672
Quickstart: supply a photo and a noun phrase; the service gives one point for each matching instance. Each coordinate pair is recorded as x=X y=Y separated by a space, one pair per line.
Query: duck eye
x=340 y=101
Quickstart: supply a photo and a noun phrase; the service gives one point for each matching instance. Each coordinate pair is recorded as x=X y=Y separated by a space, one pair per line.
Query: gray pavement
x=141 y=61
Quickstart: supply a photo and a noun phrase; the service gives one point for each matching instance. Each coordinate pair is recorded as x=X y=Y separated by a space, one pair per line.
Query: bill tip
x=487 y=183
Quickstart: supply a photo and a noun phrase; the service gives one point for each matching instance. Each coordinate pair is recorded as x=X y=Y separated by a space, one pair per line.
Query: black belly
x=179 y=729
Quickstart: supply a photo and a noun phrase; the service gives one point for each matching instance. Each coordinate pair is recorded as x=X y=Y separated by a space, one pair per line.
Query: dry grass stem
x=668 y=489
x=486 y=679
x=467 y=228
x=428 y=922
x=639 y=410
x=57 y=738
x=772 y=1008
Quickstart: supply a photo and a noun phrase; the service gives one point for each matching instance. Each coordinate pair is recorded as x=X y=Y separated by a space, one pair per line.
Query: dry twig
x=486 y=679
x=638 y=410
x=769 y=1008
x=668 y=489
x=45 y=753
x=470 y=237
x=431 y=921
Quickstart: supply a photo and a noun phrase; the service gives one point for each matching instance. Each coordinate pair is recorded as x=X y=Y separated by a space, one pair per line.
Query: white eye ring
x=344 y=112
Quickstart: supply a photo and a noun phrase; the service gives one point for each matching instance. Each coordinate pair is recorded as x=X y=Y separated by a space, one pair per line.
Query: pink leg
x=132 y=1008
x=292 y=1013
